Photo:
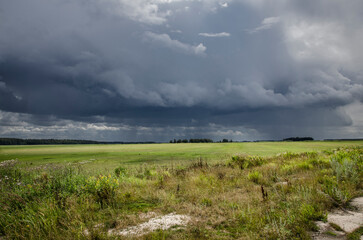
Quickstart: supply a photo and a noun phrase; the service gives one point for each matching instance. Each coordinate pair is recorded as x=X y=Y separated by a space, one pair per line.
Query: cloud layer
x=157 y=69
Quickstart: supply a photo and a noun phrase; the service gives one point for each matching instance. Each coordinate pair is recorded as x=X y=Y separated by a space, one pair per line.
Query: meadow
x=101 y=157
x=265 y=190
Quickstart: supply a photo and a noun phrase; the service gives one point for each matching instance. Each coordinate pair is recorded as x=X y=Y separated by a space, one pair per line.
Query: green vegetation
x=106 y=156
x=270 y=196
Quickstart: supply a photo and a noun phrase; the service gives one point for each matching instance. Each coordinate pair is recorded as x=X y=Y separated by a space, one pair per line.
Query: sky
x=155 y=70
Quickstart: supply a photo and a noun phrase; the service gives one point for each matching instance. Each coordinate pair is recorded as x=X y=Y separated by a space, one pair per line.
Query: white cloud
x=221 y=34
x=144 y=11
x=223 y=5
x=151 y=11
x=175 y=44
x=313 y=41
x=266 y=23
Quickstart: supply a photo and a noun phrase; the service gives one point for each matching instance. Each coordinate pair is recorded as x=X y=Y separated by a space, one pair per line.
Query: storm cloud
x=154 y=70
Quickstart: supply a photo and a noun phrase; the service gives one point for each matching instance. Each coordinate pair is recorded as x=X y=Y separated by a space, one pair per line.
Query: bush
x=347 y=166
x=335 y=191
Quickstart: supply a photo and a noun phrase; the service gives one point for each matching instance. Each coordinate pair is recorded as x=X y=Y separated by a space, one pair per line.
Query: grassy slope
x=110 y=156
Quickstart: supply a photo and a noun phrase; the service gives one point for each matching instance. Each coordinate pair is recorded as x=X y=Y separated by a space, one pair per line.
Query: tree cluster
x=298 y=139
x=18 y=141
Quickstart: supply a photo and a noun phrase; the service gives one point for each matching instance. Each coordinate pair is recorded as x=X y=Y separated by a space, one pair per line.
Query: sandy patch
x=349 y=221
x=358 y=203
x=164 y=222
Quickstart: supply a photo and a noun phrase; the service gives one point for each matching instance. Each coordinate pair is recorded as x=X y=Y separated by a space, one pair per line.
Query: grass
x=111 y=156
x=272 y=196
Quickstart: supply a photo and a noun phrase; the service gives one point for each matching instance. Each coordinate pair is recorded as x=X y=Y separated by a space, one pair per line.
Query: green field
x=110 y=156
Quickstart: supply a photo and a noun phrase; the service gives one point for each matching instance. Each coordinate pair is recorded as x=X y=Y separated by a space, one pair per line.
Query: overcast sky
x=154 y=70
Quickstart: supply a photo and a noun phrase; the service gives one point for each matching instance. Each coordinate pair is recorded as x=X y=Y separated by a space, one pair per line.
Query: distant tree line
x=19 y=141
x=192 y=140
x=298 y=139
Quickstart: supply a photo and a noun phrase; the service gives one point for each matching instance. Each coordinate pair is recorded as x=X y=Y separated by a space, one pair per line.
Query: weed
x=199 y=164
x=255 y=177
x=102 y=187
x=120 y=171
x=309 y=212
x=356 y=235
x=247 y=161
x=336 y=227
x=304 y=166
x=206 y=202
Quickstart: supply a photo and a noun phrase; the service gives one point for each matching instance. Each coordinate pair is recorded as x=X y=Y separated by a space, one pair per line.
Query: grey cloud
x=108 y=62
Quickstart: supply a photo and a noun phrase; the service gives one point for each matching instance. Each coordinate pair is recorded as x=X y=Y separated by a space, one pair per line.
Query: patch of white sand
x=164 y=222
x=323 y=229
x=348 y=221
x=358 y=203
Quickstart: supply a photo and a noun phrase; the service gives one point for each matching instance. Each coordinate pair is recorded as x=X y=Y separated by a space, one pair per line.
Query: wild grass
x=245 y=197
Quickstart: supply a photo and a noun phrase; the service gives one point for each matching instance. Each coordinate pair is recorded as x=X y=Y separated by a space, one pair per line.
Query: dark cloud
x=155 y=69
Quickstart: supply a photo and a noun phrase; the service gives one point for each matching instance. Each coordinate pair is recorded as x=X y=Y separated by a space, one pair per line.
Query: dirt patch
x=164 y=222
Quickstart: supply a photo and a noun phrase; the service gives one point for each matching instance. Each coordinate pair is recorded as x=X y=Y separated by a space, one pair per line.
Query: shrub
x=347 y=166
x=336 y=192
